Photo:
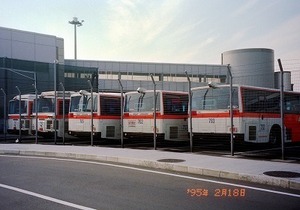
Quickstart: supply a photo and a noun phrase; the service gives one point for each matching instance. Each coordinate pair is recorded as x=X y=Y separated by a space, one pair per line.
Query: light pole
x=76 y=23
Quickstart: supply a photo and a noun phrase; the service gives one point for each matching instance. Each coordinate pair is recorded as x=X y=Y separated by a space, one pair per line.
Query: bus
x=106 y=115
x=14 y=114
x=171 y=115
x=256 y=113
x=46 y=113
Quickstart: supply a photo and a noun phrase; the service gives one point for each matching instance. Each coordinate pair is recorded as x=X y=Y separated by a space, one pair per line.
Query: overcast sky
x=173 y=31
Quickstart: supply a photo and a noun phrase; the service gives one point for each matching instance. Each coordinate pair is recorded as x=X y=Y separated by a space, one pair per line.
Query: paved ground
x=287 y=176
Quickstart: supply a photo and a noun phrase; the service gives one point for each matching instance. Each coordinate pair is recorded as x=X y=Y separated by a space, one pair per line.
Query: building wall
x=168 y=76
x=30 y=46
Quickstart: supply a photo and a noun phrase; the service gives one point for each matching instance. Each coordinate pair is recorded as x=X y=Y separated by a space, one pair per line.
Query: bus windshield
x=82 y=103
x=14 y=107
x=110 y=105
x=140 y=102
x=44 y=105
x=214 y=98
x=175 y=103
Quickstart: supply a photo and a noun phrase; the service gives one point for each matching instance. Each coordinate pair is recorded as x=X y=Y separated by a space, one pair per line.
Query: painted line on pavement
x=45 y=197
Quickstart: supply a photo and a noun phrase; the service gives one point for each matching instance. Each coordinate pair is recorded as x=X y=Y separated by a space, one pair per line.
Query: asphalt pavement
x=276 y=173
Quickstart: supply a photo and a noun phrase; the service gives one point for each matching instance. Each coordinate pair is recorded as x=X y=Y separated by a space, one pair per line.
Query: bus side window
x=296 y=108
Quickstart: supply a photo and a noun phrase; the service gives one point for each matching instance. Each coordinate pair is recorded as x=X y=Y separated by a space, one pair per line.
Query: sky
x=169 y=31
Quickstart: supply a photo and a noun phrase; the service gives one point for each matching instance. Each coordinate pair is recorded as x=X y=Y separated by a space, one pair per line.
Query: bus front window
x=137 y=102
x=45 y=105
x=213 y=98
x=82 y=103
x=14 y=107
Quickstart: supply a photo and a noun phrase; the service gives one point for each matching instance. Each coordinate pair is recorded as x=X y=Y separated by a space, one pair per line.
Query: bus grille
x=49 y=124
x=26 y=123
x=174 y=132
x=252 y=133
x=110 y=131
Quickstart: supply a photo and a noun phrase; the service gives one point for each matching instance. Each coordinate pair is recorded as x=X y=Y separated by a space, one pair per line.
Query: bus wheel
x=275 y=135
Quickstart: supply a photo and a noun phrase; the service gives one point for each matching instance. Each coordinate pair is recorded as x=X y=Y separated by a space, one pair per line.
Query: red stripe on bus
x=16 y=117
x=44 y=117
x=235 y=114
x=94 y=117
x=150 y=116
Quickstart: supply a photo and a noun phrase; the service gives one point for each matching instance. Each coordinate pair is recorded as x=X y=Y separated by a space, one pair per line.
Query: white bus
x=256 y=113
x=171 y=115
x=14 y=114
x=106 y=115
x=46 y=113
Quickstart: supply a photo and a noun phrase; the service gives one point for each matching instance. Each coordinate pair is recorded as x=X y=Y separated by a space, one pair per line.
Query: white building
x=30 y=46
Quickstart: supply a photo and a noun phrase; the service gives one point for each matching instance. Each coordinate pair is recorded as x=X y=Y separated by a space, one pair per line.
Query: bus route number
x=211 y=120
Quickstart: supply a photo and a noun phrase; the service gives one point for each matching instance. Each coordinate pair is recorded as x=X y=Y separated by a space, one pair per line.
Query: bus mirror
x=83 y=92
x=141 y=90
x=212 y=85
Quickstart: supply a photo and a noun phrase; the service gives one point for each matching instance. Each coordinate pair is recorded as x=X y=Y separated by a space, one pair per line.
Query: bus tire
x=275 y=135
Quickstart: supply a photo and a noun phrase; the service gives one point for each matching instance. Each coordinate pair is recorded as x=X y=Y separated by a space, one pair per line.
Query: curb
x=175 y=167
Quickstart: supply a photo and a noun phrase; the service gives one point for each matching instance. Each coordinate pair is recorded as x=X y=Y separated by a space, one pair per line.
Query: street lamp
x=76 y=23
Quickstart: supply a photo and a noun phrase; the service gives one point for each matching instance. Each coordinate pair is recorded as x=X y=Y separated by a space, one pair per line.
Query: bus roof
x=50 y=94
x=242 y=86
x=158 y=91
x=84 y=92
x=29 y=97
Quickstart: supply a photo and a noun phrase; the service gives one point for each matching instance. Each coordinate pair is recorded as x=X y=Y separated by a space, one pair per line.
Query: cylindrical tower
x=254 y=66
